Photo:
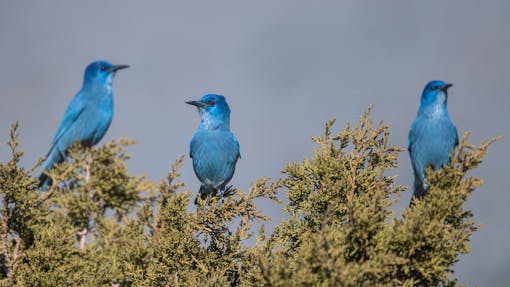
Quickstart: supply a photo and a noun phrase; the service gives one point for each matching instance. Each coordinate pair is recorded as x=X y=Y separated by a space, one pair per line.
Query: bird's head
x=101 y=72
x=435 y=92
x=212 y=107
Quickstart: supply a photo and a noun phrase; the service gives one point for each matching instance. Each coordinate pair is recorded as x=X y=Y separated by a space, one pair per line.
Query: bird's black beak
x=115 y=68
x=197 y=104
x=446 y=87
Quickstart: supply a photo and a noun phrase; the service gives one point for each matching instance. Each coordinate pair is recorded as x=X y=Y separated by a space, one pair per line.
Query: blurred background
x=285 y=67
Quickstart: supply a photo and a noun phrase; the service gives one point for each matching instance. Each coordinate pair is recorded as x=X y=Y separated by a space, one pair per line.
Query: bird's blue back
x=214 y=149
x=88 y=115
x=433 y=135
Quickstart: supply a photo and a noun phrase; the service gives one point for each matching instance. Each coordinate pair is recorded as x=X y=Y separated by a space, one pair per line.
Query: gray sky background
x=285 y=67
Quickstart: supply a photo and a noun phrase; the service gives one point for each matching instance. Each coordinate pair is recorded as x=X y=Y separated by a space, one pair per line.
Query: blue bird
x=432 y=135
x=213 y=148
x=87 y=117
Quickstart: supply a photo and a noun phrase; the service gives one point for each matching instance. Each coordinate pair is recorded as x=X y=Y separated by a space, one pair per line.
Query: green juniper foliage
x=100 y=226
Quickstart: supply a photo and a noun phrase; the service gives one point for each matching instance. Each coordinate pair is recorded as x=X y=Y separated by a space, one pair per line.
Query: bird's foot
x=229 y=191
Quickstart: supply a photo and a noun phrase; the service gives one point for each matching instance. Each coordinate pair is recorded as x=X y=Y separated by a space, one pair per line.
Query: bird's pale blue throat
x=434 y=99
x=99 y=75
x=214 y=112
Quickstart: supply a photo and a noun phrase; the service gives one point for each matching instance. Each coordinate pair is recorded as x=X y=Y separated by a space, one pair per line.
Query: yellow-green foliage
x=114 y=229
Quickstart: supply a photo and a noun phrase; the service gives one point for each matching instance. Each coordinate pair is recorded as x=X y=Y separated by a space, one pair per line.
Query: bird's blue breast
x=214 y=155
x=431 y=142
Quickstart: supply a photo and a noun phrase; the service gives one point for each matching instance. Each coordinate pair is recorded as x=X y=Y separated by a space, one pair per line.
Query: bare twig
x=83 y=238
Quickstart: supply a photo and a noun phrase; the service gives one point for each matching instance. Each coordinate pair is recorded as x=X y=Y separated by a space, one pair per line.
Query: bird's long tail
x=54 y=156
x=44 y=182
x=420 y=189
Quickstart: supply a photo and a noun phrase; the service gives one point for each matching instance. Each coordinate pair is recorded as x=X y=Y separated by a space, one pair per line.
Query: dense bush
x=114 y=229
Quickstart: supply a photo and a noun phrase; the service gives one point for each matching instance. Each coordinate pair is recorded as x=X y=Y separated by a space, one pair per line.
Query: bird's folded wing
x=75 y=108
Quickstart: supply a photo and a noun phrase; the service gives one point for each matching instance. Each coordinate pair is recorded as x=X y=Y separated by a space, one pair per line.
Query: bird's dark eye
x=102 y=68
x=433 y=88
x=210 y=103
